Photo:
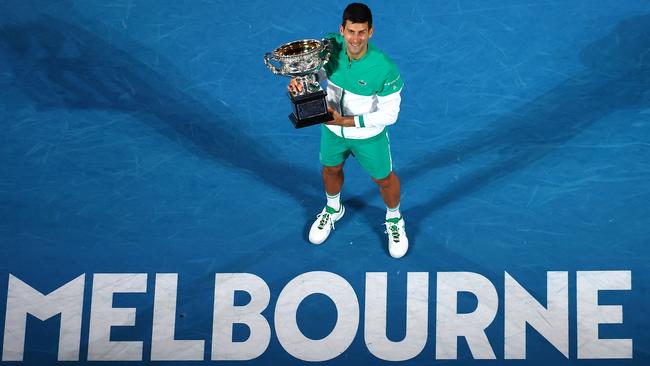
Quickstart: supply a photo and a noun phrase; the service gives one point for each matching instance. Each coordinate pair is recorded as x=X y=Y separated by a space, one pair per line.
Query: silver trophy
x=303 y=60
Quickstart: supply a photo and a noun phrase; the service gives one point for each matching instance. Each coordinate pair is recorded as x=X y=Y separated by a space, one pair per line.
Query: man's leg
x=334 y=210
x=398 y=242
x=374 y=156
x=333 y=152
x=389 y=188
x=333 y=179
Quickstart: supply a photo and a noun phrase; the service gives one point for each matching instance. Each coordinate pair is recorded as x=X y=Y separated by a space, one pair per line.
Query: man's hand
x=294 y=87
x=339 y=120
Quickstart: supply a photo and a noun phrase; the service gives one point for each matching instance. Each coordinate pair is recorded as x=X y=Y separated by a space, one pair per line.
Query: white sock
x=393 y=213
x=334 y=201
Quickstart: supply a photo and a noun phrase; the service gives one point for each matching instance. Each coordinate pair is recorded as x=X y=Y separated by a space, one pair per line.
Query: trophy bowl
x=302 y=60
x=299 y=58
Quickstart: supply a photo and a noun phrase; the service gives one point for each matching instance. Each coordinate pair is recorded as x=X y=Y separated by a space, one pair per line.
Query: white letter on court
x=226 y=314
x=590 y=314
x=22 y=299
x=163 y=345
x=450 y=325
x=522 y=308
x=417 y=310
x=103 y=316
x=347 y=307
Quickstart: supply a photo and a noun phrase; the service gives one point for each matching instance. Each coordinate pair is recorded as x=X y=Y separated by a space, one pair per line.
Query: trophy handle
x=267 y=61
x=327 y=50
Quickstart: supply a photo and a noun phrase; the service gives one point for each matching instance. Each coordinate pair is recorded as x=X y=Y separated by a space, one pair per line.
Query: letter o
x=347 y=321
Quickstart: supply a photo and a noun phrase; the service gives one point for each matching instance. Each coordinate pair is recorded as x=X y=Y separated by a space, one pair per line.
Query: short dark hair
x=357 y=13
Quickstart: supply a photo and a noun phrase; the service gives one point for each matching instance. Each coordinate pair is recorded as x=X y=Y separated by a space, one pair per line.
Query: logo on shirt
x=362 y=83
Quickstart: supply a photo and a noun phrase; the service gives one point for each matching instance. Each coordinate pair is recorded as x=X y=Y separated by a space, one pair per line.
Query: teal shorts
x=373 y=153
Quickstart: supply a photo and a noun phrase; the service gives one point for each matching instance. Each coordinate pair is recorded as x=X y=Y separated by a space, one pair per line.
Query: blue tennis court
x=148 y=166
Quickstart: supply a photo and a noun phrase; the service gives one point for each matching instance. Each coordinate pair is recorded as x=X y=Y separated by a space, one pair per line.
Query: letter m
x=22 y=299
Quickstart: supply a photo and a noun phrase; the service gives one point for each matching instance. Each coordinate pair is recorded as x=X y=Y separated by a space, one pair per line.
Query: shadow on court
x=617 y=77
x=59 y=65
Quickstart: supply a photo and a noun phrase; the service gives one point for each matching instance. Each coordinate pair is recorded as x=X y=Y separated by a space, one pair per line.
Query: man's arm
x=386 y=114
x=339 y=120
x=388 y=105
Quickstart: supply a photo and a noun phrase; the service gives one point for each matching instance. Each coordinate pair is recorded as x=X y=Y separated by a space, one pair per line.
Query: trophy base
x=306 y=122
x=309 y=109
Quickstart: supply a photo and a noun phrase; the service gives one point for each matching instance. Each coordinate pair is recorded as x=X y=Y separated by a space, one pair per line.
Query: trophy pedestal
x=309 y=109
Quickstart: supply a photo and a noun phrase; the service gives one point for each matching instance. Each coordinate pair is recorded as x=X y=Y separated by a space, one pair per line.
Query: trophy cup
x=302 y=60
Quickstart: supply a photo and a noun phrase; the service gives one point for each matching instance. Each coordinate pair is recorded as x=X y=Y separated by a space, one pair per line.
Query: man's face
x=356 y=38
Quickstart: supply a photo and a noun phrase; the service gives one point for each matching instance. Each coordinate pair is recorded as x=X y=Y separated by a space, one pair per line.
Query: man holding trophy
x=362 y=99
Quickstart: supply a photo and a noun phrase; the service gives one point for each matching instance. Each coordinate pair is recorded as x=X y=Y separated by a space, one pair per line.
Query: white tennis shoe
x=398 y=243
x=324 y=224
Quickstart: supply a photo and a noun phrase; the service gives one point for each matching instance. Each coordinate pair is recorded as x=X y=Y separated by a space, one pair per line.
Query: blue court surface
x=153 y=188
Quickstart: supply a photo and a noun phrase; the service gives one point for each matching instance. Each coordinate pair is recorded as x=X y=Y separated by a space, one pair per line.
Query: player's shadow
x=60 y=65
x=617 y=76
